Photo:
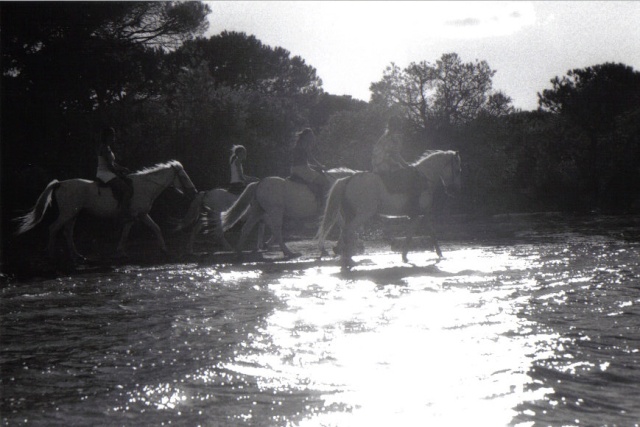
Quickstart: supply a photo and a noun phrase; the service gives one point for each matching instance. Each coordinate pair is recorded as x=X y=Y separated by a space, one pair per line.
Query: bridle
x=453 y=173
x=440 y=178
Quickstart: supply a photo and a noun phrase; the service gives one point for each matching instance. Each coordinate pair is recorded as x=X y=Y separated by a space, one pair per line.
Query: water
x=538 y=326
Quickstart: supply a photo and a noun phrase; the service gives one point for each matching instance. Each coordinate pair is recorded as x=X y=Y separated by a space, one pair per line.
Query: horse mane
x=430 y=153
x=159 y=166
x=342 y=170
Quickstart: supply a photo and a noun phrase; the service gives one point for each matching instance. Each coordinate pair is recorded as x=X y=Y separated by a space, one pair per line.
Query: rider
x=386 y=151
x=302 y=161
x=112 y=173
x=399 y=176
x=238 y=180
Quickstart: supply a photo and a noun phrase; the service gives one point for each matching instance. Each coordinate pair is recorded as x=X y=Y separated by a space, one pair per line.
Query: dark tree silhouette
x=596 y=100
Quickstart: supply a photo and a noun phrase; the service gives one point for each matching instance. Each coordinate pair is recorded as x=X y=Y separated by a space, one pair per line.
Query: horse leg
x=260 y=244
x=68 y=234
x=192 y=237
x=411 y=231
x=54 y=229
x=146 y=220
x=219 y=236
x=252 y=219
x=274 y=219
x=434 y=239
x=349 y=239
x=195 y=231
x=126 y=228
x=53 y=233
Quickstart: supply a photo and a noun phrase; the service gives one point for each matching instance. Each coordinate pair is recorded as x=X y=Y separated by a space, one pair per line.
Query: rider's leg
x=120 y=187
x=319 y=184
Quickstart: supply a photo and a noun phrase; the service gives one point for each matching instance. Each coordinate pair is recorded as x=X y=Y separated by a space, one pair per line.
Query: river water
x=529 y=322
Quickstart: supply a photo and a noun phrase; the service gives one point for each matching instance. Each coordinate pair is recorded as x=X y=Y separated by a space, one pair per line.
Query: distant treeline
x=144 y=68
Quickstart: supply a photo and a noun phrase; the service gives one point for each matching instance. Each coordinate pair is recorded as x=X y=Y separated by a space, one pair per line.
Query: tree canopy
x=82 y=55
x=596 y=105
x=145 y=68
x=443 y=94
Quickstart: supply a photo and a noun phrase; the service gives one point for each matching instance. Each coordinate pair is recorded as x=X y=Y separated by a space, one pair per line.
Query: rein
x=444 y=185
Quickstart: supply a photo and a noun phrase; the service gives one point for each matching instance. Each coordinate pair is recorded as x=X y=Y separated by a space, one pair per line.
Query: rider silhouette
x=303 y=161
x=398 y=175
x=386 y=151
x=239 y=180
x=113 y=174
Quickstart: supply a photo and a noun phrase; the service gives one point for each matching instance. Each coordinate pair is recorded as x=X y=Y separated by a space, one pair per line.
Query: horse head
x=181 y=181
x=169 y=174
x=453 y=185
x=442 y=167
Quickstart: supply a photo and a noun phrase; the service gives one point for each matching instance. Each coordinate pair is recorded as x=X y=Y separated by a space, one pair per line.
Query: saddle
x=404 y=181
x=118 y=194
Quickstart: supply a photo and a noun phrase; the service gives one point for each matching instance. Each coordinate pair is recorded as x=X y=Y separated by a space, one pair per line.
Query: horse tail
x=332 y=209
x=35 y=215
x=193 y=213
x=231 y=216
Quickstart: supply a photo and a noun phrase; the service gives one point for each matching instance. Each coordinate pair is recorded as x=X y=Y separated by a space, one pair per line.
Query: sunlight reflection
x=163 y=396
x=419 y=352
x=234 y=276
x=481 y=261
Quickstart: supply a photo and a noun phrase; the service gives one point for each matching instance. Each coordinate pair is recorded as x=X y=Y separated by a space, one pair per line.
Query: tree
x=594 y=100
x=241 y=61
x=83 y=55
x=447 y=93
x=593 y=97
x=64 y=59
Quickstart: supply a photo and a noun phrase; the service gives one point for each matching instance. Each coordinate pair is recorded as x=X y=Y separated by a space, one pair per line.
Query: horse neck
x=155 y=182
x=432 y=166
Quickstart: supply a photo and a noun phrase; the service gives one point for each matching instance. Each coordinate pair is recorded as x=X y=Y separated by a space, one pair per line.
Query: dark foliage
x=69 y=69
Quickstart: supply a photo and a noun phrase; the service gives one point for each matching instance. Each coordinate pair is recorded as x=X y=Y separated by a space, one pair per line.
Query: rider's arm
x=237 y=165
x=313 y=161
x=401 y=161
x=394 y=151
x=105 y=151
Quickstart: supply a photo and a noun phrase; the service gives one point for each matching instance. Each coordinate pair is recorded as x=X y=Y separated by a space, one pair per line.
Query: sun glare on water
x=423 y=350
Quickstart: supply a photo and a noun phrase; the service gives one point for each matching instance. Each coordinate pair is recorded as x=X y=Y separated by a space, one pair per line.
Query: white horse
x=356 y=199
x=75 y=195
x=272 y=200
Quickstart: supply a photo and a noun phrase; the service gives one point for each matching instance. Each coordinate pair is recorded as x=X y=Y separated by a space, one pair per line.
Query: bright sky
x=527 y=43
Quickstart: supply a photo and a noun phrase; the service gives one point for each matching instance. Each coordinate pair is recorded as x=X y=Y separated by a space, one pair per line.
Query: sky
x=527 y=43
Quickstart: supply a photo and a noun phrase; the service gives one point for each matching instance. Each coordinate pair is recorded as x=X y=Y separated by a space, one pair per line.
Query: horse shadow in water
x=392 y=275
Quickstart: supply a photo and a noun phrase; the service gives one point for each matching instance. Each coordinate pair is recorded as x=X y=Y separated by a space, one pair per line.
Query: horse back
x=81 y=193
x=295 y=199
x=366 y=192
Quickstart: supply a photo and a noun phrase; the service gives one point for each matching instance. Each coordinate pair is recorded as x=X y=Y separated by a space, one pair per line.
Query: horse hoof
x=347 y=265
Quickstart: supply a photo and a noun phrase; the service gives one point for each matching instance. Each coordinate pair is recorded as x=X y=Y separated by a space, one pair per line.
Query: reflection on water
x=444 y=348
x=544 y=332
